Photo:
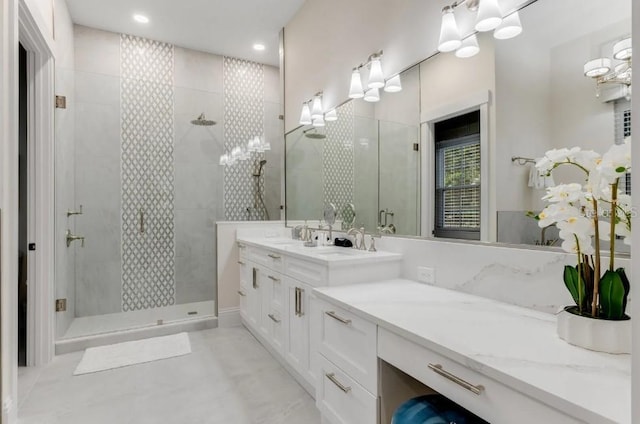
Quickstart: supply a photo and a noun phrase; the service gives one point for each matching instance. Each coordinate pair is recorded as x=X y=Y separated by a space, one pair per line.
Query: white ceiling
x=225 y=27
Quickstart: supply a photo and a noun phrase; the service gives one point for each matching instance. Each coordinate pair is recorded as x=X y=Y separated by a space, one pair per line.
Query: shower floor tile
x=108 y=323
x=229 y=378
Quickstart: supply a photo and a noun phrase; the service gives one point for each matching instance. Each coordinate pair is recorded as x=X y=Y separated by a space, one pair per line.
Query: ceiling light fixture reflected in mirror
x=259 y=47
x=372 y=95
x=605 y=72
x=376 y=76
x=305 y=116
x=331 y=116
x=316 y=109
x=489 y=15
x=355 y=88
x=469 y=47
x=449 y=33
x=509 y=28
x=393 y=84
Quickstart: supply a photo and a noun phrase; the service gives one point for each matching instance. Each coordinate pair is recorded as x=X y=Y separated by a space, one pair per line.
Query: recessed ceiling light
x=140 y=18
x=259 y=47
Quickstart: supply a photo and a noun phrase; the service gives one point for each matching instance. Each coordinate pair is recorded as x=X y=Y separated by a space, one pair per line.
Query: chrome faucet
x=358 y=242
x=354 y=232
x=72 y=237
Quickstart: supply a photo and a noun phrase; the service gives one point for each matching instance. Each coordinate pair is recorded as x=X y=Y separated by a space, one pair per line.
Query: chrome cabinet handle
x=337 y=318
x=255 y=278
x=437 y=368
x=334 y=380
x=241 y=293
x=241 y=263
x=297 y=301
x=272 y=256
x=272 y=278
x=273 y=318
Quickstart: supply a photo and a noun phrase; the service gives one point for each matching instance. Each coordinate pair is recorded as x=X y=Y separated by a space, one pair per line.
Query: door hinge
x=32 y=246
x=61 y=305
x=61 y=102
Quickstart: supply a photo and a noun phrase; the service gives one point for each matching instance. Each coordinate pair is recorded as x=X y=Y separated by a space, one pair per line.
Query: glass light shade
x=224 y=160
x=355 y=89
x=469 y=47
x=372 y=95
x=244 y=154
x=236 y=153
x=489 y=15
x=316 y=109
x=597 y=67
x=449 y=34
x=622 y=68
x=393 y=84
x=376 y=77
x=622 y=49
x=318 y=122
x=305 y=116
x=331 y=116
x=509 y=28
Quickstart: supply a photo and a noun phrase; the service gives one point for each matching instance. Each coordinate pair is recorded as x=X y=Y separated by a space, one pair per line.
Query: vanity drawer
x=309 y=272
x=485 y=397
x=349 y=342
x=341 y=399
x=270 y=259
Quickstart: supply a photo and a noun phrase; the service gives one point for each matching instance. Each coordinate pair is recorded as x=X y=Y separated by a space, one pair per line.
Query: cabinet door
x=244 y=289
x=252 y=299
x=273 y=308
x=297 y=338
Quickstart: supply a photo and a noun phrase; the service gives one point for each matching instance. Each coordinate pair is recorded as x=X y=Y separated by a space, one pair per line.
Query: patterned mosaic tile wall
x=337 y=159
x=147 y=172
x=243 y=86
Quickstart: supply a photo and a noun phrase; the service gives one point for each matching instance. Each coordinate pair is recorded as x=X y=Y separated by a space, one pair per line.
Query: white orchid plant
x=585 y=214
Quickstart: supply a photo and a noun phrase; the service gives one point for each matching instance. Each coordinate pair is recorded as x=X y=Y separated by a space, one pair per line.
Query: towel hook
x=522 y=160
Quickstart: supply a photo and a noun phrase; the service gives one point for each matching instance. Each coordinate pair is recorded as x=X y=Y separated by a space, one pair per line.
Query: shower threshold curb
x=76 y=344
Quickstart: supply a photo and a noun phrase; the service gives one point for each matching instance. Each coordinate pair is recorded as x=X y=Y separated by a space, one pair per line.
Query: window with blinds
x=622 y=116
x=457 y=202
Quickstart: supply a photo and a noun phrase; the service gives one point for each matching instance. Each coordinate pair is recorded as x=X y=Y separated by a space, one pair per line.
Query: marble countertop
x=513 y=345
x=332 y=256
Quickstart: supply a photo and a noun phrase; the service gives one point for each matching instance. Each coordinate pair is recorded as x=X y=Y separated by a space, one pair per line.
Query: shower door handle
x=141 y=220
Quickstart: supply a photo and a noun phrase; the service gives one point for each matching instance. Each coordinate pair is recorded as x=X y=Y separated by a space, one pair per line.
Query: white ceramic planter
x=595 y=334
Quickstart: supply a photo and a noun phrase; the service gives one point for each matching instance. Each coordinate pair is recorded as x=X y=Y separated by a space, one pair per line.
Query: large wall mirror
x=527 y=95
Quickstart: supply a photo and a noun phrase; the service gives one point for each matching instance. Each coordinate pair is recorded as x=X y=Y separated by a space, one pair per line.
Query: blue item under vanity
x=433 y=409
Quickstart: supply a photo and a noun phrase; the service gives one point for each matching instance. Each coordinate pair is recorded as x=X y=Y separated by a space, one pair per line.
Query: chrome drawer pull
x=337 y=318
x=437 y=368
x=241 y=263
x=272 y=278
x=241 y=293
x=340 y=386
x=272 y=256
x=273 y=318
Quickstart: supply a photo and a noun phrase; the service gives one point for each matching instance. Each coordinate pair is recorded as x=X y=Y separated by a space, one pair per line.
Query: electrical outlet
x=426 y=275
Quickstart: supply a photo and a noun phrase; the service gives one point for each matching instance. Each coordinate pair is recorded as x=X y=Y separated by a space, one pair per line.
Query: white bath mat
x=119 y=355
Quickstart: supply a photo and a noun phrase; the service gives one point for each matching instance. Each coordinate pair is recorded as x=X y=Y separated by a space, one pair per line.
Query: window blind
x=622 y=117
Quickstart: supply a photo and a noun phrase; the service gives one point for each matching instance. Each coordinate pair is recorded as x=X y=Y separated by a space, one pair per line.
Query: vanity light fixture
x=376 y=77
x=355 y=88
x=469 y=47
x=305 y=115
x=241 y=153
x=372 y=95
x=316 y=109
x=331 y=116
x=509 y=28
x=393 y=84
x=449 y=33
x=489 y=15
x=489 y=18
x=318 y=122
x=375 y=82
x=601 y=70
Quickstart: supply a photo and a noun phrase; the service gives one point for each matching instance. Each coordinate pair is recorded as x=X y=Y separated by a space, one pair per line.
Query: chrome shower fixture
x=314 y=134
x=203 y=122
x=260 y=165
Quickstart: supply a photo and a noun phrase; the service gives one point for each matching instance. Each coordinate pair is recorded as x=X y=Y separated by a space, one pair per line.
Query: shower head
x=202 y=121
x=260 y=165
x=314 y=134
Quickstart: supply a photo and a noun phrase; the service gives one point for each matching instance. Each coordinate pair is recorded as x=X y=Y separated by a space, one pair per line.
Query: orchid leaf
x=613 y=295
x=572 y=281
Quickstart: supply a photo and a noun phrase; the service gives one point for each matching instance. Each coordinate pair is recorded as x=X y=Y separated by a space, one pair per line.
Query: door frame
x=41 y=222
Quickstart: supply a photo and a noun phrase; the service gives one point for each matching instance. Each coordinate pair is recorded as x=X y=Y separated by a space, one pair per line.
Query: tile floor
x=229 y=378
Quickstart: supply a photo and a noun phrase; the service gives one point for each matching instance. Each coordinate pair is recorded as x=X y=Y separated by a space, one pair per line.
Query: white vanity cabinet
x=276 y=285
